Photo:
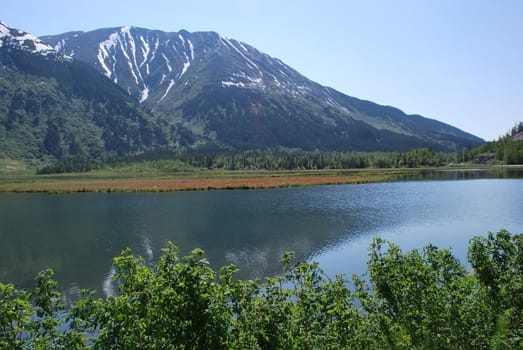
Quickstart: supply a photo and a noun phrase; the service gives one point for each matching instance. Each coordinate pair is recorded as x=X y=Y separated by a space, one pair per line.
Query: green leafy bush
x=422 y=299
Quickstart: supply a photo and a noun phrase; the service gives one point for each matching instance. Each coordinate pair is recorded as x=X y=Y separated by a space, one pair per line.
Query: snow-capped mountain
x=21 y=40
x=53 y=107
x=220 y=90
x=149 y=63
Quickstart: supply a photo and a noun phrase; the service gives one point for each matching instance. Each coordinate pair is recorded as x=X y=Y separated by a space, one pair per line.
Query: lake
x=78 y=234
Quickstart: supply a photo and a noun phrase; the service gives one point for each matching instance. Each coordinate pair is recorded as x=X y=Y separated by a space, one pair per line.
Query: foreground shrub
x=422 y=299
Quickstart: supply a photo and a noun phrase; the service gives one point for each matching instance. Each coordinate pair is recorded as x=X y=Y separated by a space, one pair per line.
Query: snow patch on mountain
x=180 y=36
x=145 y=51
x=169 y=67
x=123 y=42
x=187 y=42
x=232 y=83
x=130 y=64
x=126 y=31
x=331 y=100
x=186 y=65
x=243 y=47
x=27 y=42
x=4 y=29
x=243 y=80
x=103 y=52
x=227 y=42
x=171 y=84
x=156 y=45
x=191 y=47
x=144 y=95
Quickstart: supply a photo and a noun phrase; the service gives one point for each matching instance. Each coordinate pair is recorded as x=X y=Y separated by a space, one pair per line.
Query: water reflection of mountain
x=78 y=235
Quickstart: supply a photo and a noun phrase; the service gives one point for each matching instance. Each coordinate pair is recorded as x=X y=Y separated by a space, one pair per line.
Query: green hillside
x=508 y=149
x=52 y=108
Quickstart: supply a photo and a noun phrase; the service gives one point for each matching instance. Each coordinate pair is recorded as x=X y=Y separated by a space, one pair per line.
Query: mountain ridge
x=182 y=90
x=223 y=91
x=18 y=39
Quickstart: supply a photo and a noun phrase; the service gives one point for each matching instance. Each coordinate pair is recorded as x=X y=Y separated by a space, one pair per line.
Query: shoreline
x=174 y=185
x=198 y=181
x=205 y=180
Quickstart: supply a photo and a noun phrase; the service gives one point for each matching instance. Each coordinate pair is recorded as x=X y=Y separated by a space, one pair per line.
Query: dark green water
x=78 y=235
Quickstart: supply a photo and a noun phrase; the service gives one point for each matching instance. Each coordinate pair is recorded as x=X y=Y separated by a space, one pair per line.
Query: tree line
x=301 y=160
x=420 y=299
x=508 y=149
x=259 y=160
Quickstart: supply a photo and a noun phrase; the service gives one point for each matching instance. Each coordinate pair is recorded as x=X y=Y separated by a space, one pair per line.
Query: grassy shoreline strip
x=169 y=185
x=207 y=180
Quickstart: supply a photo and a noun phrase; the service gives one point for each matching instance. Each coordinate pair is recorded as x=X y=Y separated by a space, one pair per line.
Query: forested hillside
x=55 y=109
x=508 y=149
x=52 y=107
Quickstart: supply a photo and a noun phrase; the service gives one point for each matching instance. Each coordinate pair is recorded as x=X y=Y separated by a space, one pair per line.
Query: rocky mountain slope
x=53 y=106
x=208 y=89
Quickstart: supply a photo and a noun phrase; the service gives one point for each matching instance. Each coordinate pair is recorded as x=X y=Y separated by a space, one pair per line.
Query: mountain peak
x=221 y=90
x=24 y=41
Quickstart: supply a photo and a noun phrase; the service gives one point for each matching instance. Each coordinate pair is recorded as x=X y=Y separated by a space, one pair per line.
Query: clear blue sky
x=458 y=61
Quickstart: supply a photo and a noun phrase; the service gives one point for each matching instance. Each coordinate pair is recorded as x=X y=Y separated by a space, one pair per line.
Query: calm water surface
x=78 y=235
